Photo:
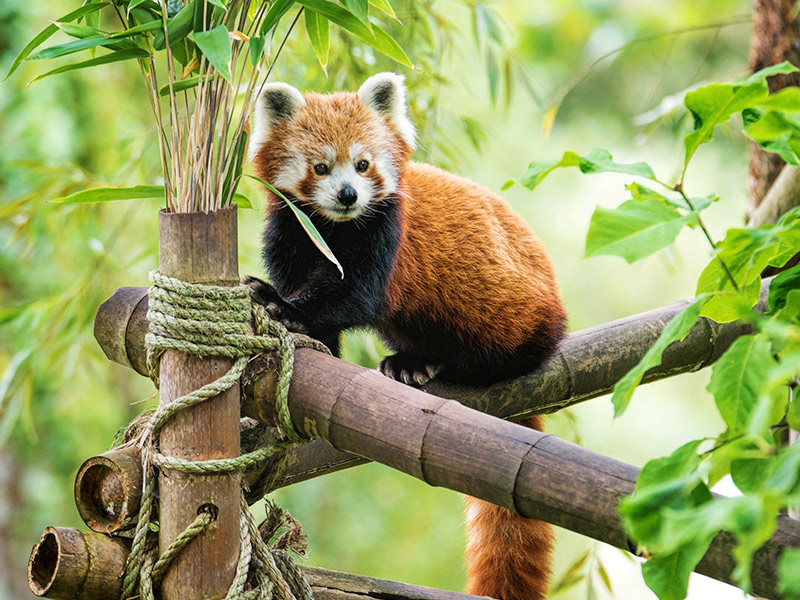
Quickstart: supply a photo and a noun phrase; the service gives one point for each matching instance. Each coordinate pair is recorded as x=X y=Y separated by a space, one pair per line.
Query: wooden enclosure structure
x=358 y=415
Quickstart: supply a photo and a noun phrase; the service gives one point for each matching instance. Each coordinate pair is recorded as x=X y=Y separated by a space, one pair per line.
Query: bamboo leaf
x=178 y=27
x=181 y=85
x=216 y=47
x=314 y=235
x=143 y=28
x=242 y=201
x=377 y=38
x=274 y=14
x=92 y=41
x=384 y=6
x=133 y=4
x=48 y=31
x=110 y=194
x=79 y=31
x=317 y=28
x=117 y=56
x=360 y=8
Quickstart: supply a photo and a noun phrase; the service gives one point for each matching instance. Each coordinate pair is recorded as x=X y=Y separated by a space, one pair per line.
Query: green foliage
x=672 y=514
x=597 y=160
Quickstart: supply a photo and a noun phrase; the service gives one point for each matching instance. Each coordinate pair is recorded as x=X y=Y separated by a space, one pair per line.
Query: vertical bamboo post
x=199 y=248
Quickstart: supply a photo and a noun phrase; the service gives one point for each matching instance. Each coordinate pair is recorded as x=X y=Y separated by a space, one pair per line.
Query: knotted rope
x=210 y=320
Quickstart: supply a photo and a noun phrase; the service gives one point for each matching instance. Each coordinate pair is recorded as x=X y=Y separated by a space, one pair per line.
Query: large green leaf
x=597 y=160
x=215 y=45
x=256 y=49
x=637 y=228
x=314 y=235
x=745 y=253
x=110 y=194
x=777 y=132
x=667 y=575
x=783 y=283
x=714 y=104
x=377 y=38
x=789 y=574
x=118 y=56
x=675 y=330
x=48 y=31
x=317 y=28
x=738 y=379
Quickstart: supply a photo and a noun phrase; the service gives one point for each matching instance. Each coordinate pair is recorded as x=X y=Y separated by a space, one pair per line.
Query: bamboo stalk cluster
x=201 y=113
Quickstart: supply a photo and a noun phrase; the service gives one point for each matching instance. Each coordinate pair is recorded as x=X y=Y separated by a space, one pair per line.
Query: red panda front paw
x=408 y=369
x=277 y=309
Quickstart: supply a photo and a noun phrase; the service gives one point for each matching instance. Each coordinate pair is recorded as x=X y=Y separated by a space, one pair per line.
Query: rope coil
x=210 y=320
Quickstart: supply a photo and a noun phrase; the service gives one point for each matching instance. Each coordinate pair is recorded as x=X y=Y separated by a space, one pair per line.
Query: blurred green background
x=501 y=84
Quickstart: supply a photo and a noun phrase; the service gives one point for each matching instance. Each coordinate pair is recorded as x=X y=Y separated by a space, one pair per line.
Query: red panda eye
x=321 y=169
x=362 y=166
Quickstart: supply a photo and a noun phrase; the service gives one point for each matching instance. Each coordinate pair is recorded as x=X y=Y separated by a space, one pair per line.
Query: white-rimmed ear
x=278 y=101
x=386 y=94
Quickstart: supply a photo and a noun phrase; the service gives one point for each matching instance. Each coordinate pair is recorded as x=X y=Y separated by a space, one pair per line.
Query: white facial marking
x=291 y=173
x=326 y=193
x=388 y=170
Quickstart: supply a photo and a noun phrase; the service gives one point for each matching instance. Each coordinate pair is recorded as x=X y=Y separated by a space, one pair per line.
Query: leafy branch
x=672 y=513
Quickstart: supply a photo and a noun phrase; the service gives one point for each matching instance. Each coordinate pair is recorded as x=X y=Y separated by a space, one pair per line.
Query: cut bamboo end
x=68 y=564
x=108 y=490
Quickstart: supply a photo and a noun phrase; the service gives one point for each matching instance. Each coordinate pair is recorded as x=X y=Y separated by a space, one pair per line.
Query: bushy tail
x=508 y=556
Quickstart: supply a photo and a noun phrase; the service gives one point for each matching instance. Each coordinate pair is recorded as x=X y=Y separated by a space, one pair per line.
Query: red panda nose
x=347 y=196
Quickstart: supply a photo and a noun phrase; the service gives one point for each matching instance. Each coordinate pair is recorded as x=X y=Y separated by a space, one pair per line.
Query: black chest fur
x=304 y=278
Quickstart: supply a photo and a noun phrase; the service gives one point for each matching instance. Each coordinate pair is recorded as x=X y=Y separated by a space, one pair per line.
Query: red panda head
x=337 y=153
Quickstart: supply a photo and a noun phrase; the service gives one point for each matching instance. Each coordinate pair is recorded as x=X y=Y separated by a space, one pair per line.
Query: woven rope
x=209 y=320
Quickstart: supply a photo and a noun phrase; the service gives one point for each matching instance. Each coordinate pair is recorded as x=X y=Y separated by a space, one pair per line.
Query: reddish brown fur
x=450 y=221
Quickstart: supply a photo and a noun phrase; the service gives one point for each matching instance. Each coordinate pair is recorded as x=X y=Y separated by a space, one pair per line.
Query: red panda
x=448 y=275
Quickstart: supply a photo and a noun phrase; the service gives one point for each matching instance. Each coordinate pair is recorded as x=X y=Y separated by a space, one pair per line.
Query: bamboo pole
x=199 y=248
x=588 y=364
x=108 y=489
x=445 y=443
x=68 y=564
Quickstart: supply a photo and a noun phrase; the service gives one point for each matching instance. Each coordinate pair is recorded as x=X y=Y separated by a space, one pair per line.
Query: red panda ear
x=277 y=102
x=385 y=93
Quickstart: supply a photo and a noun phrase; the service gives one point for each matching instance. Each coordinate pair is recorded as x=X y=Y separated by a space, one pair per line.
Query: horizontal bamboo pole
x=68 y=564
x=587 y=365
x=447 y=444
